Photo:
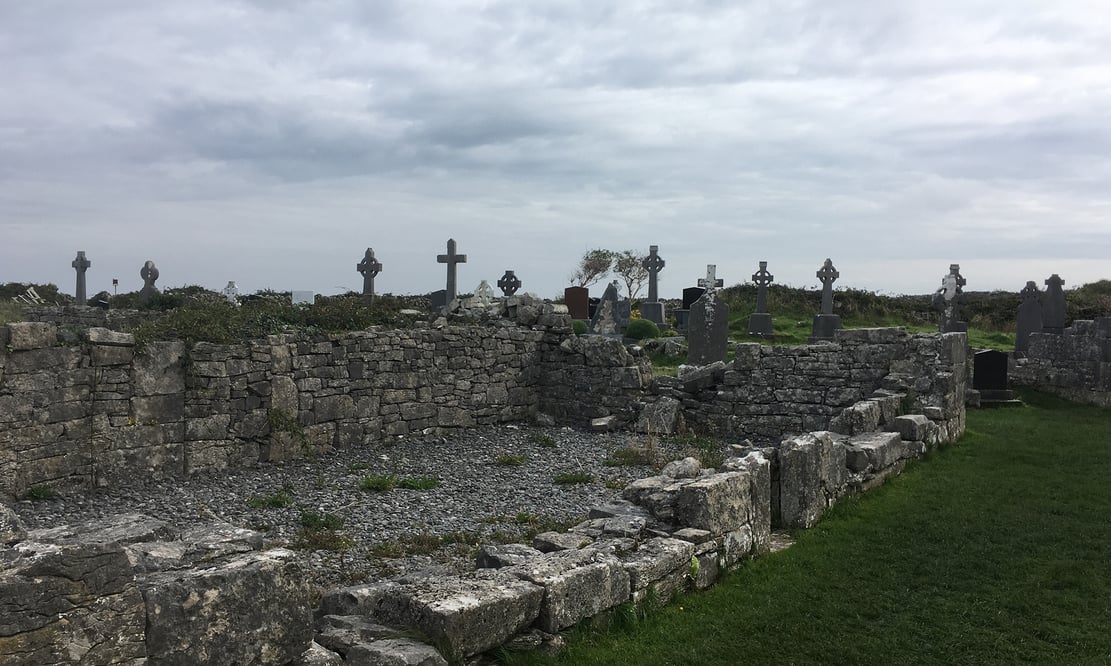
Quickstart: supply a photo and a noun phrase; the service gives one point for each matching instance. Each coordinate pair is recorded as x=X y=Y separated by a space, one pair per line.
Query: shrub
x=579 y=326
x=641 y=329
x=378 y=484
x=567 y=478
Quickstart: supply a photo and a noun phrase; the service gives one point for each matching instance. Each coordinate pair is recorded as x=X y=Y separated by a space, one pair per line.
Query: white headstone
x=231 y=292
x=303 y=297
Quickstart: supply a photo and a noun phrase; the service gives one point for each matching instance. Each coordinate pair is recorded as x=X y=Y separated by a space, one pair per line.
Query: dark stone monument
x=690 y=295
x=682 y=319
x=149 y=273
x=825 y=323
x=612 y=314
x=948 y=299
x=708 y=326
x=81 y=264
x=577 y=300
x=437 y=301
x=592 y=306
x=369 y=267
x=451 y=259
x=653 y=309
x=1053 y=305
x=760 y=323
x=1028 y=318
x=509 y=283
x=989 y=375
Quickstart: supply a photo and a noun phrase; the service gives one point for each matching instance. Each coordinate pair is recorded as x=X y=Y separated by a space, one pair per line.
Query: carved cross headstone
x=952 y=286
x=370 y=268
x=760 y=322
x=711 y=281
x=483 y=294
x=451 y=259
x=1028 y=318
x=231 y=292
x=1053 y=305
x=509 y=283
x=149 y=273
x=708 y=328
x=653 y=263
x=825 y=323
x=81 y=264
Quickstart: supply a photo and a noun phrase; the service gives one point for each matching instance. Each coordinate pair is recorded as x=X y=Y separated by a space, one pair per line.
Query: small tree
x=592 y=267
x=629 y=266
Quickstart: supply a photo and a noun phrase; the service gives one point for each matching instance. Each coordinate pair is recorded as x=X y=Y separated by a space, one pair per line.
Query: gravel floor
x=494 y=484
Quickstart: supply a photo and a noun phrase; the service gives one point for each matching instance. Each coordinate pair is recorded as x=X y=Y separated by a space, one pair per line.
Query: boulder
x=718 y=503
x=577 y=584
x=812 y=476
x=661 y=417
x=661 y=566
x=11 y=527
x=496 y=556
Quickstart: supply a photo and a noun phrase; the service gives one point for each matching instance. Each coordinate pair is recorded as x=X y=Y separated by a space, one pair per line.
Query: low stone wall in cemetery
x=1075 y=364
x=88 y=317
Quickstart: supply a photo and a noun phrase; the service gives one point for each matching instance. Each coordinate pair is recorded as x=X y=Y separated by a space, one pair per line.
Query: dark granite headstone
x=682 y=319
x=825 y=323
x=369 y=267
x=451 y=259
x=149 y=273
x=509 y=283
x=760 y=322
x=1053 y=305
x=578 y=302
x=81 y=264
x=437 y=301
x=708 y=330
x=1028 y=319
x=592 y=306
x=690 y=295
x=989 y=375
x=612 y=314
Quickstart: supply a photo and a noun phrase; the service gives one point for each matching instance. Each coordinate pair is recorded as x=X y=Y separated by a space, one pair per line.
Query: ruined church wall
x=1075 y=364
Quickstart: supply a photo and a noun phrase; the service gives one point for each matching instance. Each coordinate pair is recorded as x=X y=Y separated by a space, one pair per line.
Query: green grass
x=36 y=493
x=993 y=551
x=378 y=484
x=567 y=478
x=276 y=501
x=419 y=483
x=542 y=439
x=510 y=460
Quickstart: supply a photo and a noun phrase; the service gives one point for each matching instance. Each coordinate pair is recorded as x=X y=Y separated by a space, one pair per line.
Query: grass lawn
x=993 y=551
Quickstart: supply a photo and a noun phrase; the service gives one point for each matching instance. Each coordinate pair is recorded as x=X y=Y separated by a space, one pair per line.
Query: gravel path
x=494 y=484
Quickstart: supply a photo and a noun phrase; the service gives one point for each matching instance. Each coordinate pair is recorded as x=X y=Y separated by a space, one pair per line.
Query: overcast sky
x=271 y=142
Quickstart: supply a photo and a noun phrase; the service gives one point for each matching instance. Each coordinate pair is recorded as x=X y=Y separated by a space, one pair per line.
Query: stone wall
x=1075 y=364
x=87 y=316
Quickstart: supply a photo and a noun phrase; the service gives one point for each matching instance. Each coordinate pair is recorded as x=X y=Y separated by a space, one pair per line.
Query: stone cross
x=451 y=259
x=711 y=280
x=231 y=292
x=653 y=263
x=81 y=264
x=1028 y=318
x=370 y=268
x=149 y=273
x=953 y=283
x=1030 y=291
x=509 y=283
x=827 y=274
x=762 y=278
x=1053 y=305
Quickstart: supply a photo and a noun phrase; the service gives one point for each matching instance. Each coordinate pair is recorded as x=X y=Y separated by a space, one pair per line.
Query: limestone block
x=864 y=416
x=215 y=426
x=687 y=468
x=660 y=564
x=69 y=604
x=158 y=369
x=577 y=584
x=496 y=556
x=759 y=470
x=697 y=378
x=102 y=355
x=251 y=609
x=11 y=527
x=123 y=529
x=913 y=427
x=465 y=616
x=318 y=655
x=26 y=335
x=333 y=408
x=549 y=542
x=719 y=503
x=876 y=451
x=355 y=599
x=812 y=476
x=108 y=337
x=213 y=454
x=736 y=546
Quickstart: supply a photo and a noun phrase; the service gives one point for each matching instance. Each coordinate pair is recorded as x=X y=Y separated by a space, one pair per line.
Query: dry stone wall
x=1075 y=364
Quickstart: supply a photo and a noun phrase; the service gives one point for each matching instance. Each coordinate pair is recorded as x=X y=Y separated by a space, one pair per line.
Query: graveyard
x=292 y=478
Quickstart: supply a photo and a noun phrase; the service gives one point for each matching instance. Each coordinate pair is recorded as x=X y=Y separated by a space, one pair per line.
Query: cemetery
x=90 y=400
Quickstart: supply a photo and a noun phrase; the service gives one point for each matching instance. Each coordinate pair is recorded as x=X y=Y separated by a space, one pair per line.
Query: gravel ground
x=494 y=484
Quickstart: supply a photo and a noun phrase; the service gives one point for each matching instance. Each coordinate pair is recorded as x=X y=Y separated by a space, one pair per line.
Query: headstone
x=369 y=267
x=711 y=281
x=708 y=330
x=149 y=273
x=690 y=295
x=760 y=323
x=1053 y=305
x=577 y=300
x=437 y=301
x=653 y=309
x=303 y=297
x=231 y=292
x=592 y=306
x=451 y=259
x=825 y=323
x=509 y=283
x=989 y=375
x=948 y=299
x=682 y=319
x=81 y=264
x=483 y=294
x=1028 y=318
x=612 y=314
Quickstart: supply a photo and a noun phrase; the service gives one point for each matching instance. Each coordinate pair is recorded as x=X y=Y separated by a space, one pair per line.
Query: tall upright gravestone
x=578 y=302
x=451 y=259
x=509 y=283
x=1028 y=319
x=708 y=328
x=149 y=273
x=825 y=322
x=760 y=323
x=369 y=268
x=948 y=299
x=683 y=314
x=653 y=309
x=612 y=315
x=81 y=264
x=1053 y=305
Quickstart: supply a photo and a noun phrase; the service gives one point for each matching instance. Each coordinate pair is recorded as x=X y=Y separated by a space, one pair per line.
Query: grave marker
x=149 y=273
x=825 y=323
x=483 y=294
x=81 y=264
x=653 y=309
x=231 y=292
x=1028 y=319
x=612 y=314
x=451 y=259
x=577 y=300
x=948 y=298
x=509 y=283
x=708 y=329
x=760 y=323
x=989 y=375
x=369 y=267
x=1053 y=305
